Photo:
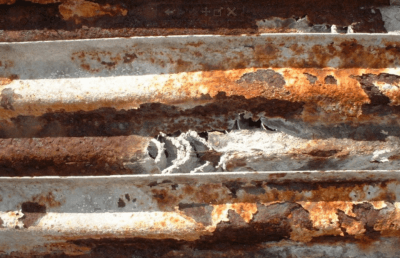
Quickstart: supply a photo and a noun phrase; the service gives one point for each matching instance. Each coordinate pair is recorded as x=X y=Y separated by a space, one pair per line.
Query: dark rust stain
x=374 y=93
x=33 y=212
x=233 y=163
x=165 y=198
x=148 y=120
x=69 y=156
x=270 y=223
x=367 y=215
x=211 y=156
x=233 y=187
x=33 y=207
x=142 y=247
x=129 y=58
x=121 y=203
x=254 y=190
x=330 y=80
x=109 y=64
x=7 y=98
x=395 y=157
x=323 y=153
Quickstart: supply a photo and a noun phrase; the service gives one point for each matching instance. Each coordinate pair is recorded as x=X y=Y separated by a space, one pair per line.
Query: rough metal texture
x=24 y=20
x=214 y=214
x=193 y=104
x=150 y=139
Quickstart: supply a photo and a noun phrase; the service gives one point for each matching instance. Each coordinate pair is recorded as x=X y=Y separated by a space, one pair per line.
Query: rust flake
x=78 y=10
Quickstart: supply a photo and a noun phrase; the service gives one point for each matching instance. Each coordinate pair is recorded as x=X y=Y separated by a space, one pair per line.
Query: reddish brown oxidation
x=70 y=156
x=76 y=10
x=246 y=214
x=142 y=247
x=317 y=222
x=355 y=209
x=346 y=97
x=265 y=193
x=65 y=18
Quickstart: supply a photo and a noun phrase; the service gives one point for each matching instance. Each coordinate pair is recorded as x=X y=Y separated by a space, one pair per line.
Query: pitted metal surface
x=261 y=129
x=74 y=215
x=190 y=104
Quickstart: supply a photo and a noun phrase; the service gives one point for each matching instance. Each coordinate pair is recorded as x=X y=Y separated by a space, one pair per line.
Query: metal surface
x=310 y=121
x=191 y=70
x=317 y=101
x=34 y=20
x=208 y=212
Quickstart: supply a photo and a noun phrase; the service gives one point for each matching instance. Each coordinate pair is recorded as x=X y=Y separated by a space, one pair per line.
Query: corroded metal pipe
x=77 y=215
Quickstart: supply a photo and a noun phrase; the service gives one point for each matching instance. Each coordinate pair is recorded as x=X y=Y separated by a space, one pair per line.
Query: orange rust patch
x=324 y=216
x=219 y=213
x=85 y=9
x=346 y=96
x=245 y=210
x=5 y=81
x=165 y=199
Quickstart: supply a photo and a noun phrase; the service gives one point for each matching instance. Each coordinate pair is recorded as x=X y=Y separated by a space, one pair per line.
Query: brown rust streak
x=69 y=156
x=148 y=120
